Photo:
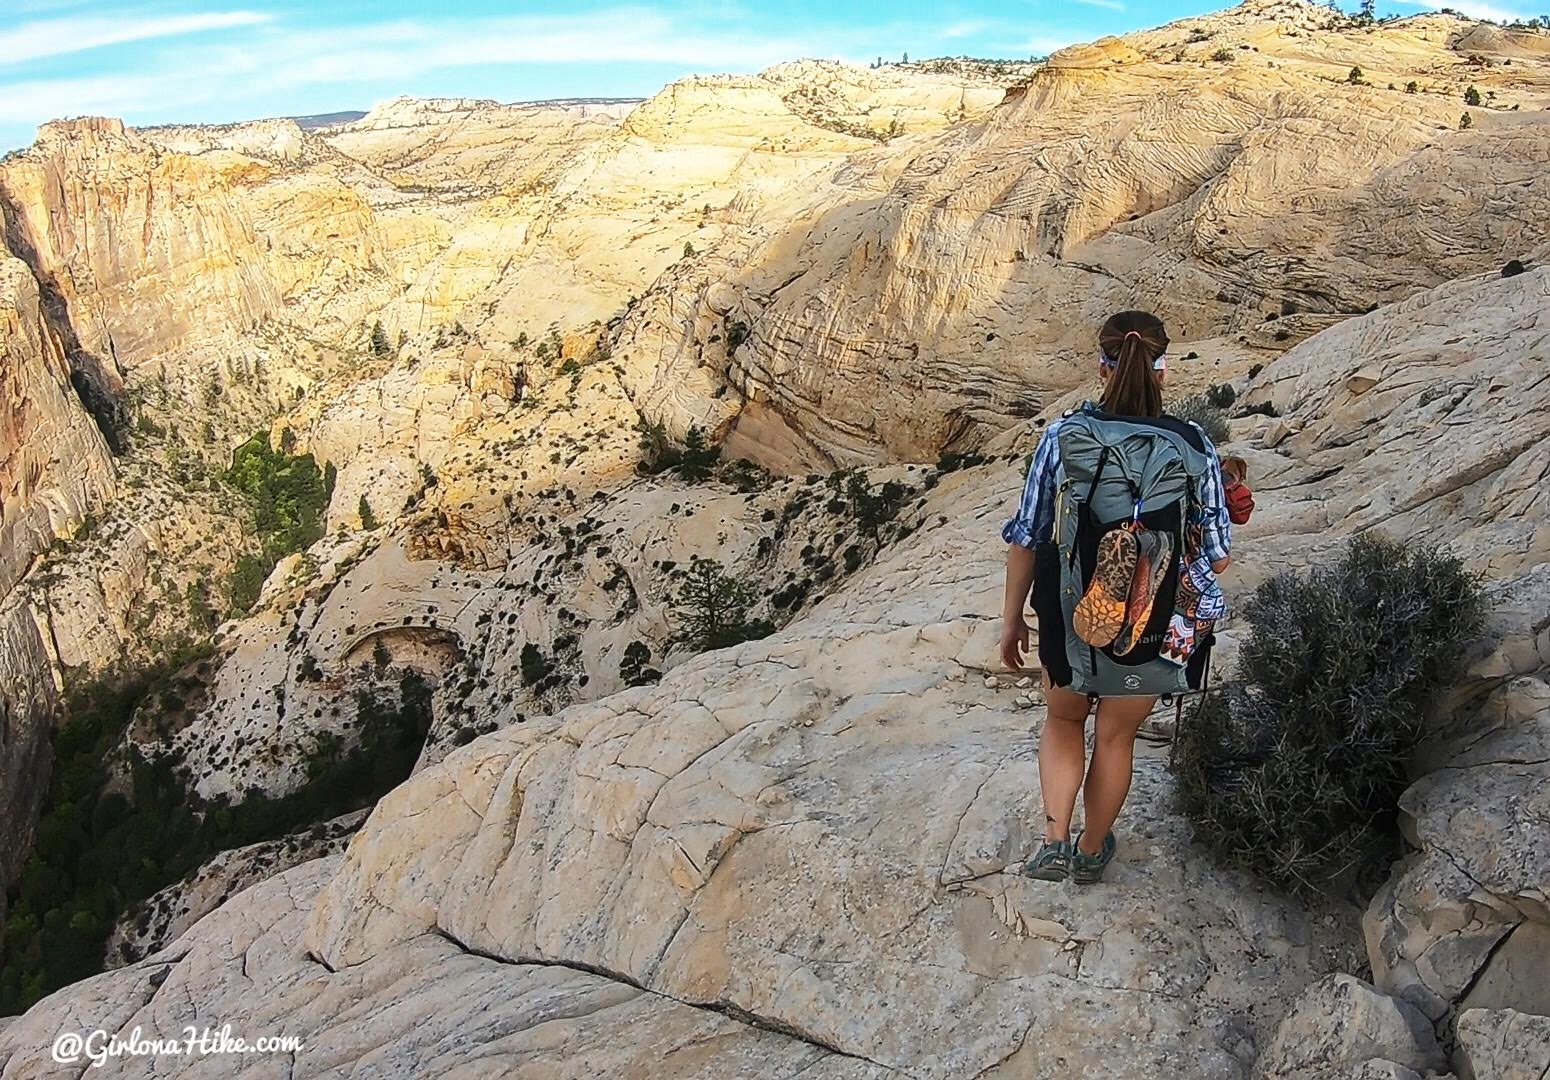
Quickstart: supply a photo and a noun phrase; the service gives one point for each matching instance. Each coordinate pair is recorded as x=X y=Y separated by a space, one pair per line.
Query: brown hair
x=1236 y=468
x=1132 y=340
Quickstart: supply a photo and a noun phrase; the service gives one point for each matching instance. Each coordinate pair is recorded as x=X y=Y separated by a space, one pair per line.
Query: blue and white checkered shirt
x=1034 y=521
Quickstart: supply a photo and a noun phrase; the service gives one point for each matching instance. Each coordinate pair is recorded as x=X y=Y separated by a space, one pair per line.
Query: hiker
x=1119 y=535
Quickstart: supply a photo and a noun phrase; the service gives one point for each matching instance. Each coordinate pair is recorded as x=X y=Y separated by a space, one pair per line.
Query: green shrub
x=535 y=668
x=1221 y=395
x=953 y=460
x=744 y=475
x=1222 y=56
x=288 y=497
x=874 y=507
x=657 y=451
x=1466 y=122
x=1198 y=408
x=1354 y=77
x=1295 y=772
x=1472 y=98
x=368 y=519
x=1412 y=87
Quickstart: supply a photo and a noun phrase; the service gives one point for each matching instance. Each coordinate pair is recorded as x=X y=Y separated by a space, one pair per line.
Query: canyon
x=871 y=289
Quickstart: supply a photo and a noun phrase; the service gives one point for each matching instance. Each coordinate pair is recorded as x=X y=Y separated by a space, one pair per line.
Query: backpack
x=1111 y=468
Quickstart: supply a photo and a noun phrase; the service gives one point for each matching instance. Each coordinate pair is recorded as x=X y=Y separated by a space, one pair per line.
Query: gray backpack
x=1111 y=466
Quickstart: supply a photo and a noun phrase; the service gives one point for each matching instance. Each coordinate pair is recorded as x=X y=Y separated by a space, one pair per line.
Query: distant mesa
x=326 y=120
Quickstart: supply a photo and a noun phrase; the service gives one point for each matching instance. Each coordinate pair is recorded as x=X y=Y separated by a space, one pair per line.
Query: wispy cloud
x=271 y=59
x=57 y=37
x=967 y=28
x=1110 y=5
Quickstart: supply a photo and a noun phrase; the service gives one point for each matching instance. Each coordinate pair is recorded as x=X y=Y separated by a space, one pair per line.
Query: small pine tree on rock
x=1355 y=77
x=713 y=607
x=1412 y=87
x=699 y=456
x=1472 y=98
x=368 y=519
x=380 y=346
x=1466 y=122
x=634 y=666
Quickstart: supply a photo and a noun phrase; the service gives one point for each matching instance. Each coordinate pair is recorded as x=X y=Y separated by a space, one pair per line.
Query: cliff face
x=145 y=248
x=54 y=465
x=55 y=470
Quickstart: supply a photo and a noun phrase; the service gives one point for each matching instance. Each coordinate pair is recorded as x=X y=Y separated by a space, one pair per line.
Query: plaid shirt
x=1034 y=521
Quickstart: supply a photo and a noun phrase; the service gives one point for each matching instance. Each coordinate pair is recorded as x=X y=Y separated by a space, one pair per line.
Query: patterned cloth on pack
x=1199 y=604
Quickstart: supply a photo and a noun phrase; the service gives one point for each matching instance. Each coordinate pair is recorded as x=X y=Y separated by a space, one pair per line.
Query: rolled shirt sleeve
x=1034 y=521
x=1212 y=516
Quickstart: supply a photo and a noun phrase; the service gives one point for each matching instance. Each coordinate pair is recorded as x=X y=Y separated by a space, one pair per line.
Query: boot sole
x=1151 y=568
x=1100 y=614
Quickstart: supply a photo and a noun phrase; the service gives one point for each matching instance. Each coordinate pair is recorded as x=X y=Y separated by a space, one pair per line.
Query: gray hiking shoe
x=1088 y=869
x=1052 y=862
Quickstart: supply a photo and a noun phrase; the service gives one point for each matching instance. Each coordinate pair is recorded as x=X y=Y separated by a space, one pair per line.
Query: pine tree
x=713 y=607
x=633 y=666
x=1466 y=122
x=1472 y=98
x=368 y=519
x=699 y=455
x=1355 y=78
x=1412 y=87
x=380 y=346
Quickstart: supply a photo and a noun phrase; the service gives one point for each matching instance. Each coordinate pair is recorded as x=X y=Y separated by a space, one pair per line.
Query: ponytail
x=1131 y=342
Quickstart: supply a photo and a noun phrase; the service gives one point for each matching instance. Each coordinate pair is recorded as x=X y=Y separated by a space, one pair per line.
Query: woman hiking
x=1146 y=581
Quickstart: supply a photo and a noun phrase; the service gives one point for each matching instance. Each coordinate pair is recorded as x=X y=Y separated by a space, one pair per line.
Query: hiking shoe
x=1100 y=614
x=1051 y=863
x=1088 y=869
x=1154 y=551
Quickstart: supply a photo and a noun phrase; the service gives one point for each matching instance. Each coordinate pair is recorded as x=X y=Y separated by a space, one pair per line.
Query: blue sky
x=166 y=61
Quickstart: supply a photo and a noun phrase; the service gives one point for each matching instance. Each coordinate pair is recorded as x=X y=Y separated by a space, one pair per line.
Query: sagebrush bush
x=1295 y=770
x=1198 y=408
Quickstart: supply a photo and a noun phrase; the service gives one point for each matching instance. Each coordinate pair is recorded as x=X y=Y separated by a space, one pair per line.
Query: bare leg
x=1108 y=778
x=1062 y=757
